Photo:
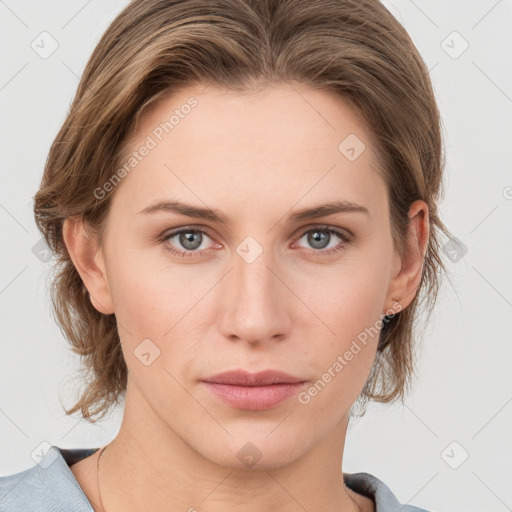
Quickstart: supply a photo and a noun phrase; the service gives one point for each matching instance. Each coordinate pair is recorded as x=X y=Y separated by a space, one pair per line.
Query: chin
x=251 y=450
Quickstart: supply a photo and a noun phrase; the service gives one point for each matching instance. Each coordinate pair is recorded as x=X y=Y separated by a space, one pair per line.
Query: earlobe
x=89 y=262
x=405 y=283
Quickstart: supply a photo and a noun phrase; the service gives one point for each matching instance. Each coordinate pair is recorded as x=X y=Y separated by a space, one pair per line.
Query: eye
x=189 y=239
x=322 y=239
x=189 y=242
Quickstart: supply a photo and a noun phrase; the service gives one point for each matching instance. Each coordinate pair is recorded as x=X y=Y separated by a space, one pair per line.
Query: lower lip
x=254 y=398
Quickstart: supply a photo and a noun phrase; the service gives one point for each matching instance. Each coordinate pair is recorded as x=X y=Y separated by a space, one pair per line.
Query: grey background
x=461 y=405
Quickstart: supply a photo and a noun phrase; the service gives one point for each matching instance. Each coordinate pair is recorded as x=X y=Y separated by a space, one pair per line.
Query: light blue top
x=50 y=486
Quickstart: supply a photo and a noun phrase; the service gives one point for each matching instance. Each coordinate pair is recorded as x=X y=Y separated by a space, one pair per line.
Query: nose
x=256 y=303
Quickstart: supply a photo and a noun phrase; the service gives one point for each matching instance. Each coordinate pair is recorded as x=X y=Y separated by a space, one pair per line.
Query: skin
x=256 y=158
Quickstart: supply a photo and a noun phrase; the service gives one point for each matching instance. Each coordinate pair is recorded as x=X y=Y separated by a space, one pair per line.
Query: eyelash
x=345 y=237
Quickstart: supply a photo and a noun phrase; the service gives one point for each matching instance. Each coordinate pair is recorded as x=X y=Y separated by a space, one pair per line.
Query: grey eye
x=190 y=240
x=319 y=239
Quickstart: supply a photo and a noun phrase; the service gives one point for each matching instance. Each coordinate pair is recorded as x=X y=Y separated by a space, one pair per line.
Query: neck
x=149 y=467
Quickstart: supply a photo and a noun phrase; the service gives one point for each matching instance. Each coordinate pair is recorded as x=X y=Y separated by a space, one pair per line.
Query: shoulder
x=372 y=487
x=47 y=486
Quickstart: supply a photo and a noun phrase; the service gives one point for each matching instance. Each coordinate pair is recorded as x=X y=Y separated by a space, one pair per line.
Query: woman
x=243 y=200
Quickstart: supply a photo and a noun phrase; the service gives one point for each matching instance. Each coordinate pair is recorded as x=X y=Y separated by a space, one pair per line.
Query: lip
x=254 y=391
x=263 y=378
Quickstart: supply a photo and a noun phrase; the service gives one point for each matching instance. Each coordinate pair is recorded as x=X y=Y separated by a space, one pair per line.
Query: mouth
x=257 y=392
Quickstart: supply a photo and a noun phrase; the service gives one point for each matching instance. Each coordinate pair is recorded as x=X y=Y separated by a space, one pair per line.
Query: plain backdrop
x=450 y=447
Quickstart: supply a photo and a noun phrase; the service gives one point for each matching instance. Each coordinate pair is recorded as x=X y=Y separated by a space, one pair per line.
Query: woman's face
x=268 y=287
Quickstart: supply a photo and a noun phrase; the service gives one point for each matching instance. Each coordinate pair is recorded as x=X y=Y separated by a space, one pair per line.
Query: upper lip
x=263 y=378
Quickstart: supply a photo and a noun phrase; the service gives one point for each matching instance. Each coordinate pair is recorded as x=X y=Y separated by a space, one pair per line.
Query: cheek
x=348 y=303
x=348 y=298
x=151 y=307
x=146 y=298
x=342 y=359
x=157 y=301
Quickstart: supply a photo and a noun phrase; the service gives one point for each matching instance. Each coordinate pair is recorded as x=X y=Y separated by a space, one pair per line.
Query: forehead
x=284 y=142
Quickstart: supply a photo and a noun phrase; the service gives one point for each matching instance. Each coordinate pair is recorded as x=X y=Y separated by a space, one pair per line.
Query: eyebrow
x=213 y=215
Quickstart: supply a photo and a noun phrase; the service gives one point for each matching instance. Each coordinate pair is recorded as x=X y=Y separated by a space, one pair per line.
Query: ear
x=90 y=263
x=407 y=270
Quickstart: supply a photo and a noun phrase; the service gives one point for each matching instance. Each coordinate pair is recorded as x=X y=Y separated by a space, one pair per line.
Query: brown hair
x=354 y=48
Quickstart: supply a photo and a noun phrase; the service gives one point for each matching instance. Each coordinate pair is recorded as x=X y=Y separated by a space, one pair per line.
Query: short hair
x=355 y=49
